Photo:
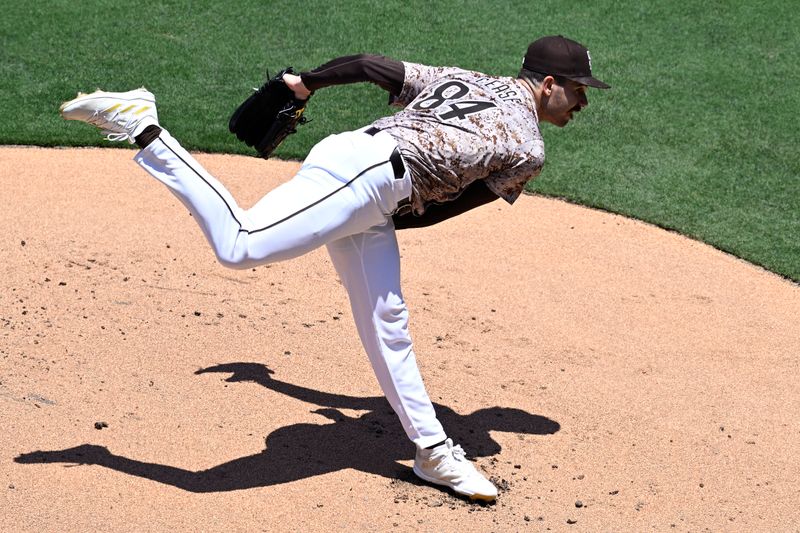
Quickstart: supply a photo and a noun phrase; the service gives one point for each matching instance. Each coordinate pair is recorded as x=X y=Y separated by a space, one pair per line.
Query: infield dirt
x=606 y=374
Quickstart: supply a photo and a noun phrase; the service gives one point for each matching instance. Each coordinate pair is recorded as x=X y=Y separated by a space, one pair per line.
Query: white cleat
x=447 y=465
x=121 y=116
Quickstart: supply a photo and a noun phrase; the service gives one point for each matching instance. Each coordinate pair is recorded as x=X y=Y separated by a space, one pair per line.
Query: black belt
x=398 y=167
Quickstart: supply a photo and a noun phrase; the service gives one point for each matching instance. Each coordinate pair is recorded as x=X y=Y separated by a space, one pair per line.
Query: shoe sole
x=473 y=496
x=141 y=94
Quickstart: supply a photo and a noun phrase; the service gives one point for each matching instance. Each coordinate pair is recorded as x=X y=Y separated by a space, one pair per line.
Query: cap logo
x=589 y=57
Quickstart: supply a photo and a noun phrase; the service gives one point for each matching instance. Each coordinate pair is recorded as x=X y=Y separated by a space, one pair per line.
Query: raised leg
x=345 y=186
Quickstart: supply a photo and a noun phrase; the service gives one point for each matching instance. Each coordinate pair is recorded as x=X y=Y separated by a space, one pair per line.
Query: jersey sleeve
x=417 y=77
x=510 y=183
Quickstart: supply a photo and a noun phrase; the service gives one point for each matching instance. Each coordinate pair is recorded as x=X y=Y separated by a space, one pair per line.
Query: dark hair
x=536 y=78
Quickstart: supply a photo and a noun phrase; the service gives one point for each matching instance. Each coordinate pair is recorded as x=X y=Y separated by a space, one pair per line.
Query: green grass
x=699 y=133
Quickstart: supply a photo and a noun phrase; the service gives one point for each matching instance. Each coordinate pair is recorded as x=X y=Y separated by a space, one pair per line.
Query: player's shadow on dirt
x=372 y=442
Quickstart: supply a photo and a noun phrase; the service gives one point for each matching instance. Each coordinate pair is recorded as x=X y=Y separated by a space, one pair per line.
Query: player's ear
x=547 y=85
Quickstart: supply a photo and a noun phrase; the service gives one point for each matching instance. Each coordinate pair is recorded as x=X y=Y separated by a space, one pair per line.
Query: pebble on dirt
x=100 y=425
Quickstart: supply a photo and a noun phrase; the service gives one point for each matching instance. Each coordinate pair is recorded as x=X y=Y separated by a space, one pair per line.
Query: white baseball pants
x=343 y=197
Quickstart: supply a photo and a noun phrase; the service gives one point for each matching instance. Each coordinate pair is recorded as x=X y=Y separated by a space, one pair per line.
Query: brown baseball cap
x=558 y=56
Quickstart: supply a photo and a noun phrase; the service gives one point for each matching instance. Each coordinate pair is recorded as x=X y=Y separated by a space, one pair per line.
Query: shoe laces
x=453 y=450
x=109 y=125
x=458 y=453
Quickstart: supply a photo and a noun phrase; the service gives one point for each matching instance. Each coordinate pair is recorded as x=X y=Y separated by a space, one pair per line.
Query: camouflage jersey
x=459 y=126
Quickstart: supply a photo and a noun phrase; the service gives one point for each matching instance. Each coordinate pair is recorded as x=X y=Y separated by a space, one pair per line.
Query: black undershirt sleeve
x=475 y=195
x=382 y=71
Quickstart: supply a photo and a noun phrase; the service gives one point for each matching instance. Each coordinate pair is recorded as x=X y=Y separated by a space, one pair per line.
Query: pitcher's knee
x=234 y=253
x=242 y=257
x=236 y=258
x=236 y=263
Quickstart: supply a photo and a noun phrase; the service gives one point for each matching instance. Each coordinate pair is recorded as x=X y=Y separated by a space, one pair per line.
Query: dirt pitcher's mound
x=604 y=373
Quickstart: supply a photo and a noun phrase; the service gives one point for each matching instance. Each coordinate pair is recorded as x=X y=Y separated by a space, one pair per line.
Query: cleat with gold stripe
x=120 y=116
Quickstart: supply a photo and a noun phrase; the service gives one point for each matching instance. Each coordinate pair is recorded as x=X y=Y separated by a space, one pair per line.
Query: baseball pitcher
x=461 y=140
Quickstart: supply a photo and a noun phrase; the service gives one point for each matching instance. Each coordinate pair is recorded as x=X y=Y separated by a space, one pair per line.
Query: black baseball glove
x=268 y=116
